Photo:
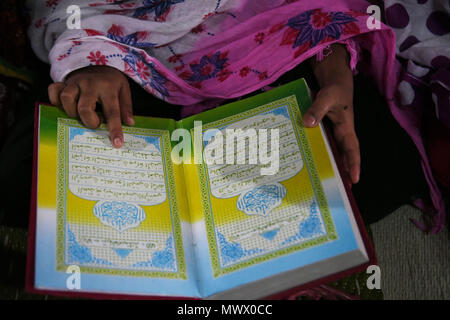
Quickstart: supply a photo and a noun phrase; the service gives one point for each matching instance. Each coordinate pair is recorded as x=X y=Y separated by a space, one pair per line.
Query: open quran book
x=243 y=217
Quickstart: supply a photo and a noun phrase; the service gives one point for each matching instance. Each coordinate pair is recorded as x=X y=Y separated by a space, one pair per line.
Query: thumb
x=319 y=108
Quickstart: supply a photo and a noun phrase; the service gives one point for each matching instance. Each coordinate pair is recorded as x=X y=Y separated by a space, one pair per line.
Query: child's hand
x=85 y=87
x=335 y=100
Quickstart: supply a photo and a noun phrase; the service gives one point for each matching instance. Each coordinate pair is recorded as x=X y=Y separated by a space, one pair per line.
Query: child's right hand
x=85 y=87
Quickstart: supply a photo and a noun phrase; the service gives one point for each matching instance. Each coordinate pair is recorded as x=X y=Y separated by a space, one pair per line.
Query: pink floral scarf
x=196 y=52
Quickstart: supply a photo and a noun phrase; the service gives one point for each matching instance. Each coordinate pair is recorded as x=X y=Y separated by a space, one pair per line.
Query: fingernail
x=309 y=120
x=130 y=121
x=117 y=142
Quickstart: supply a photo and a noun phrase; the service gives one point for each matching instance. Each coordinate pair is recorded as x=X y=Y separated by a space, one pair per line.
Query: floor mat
x=414 y=265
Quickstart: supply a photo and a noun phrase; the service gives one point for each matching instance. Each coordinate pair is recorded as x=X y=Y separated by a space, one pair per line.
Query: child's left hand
x=336 y=103
x=335 y=100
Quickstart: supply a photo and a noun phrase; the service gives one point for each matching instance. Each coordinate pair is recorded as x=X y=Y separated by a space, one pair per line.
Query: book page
x=252 y=217
x=117 y=209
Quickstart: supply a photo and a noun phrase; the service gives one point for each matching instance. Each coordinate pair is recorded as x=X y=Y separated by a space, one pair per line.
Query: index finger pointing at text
x=111 y=109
